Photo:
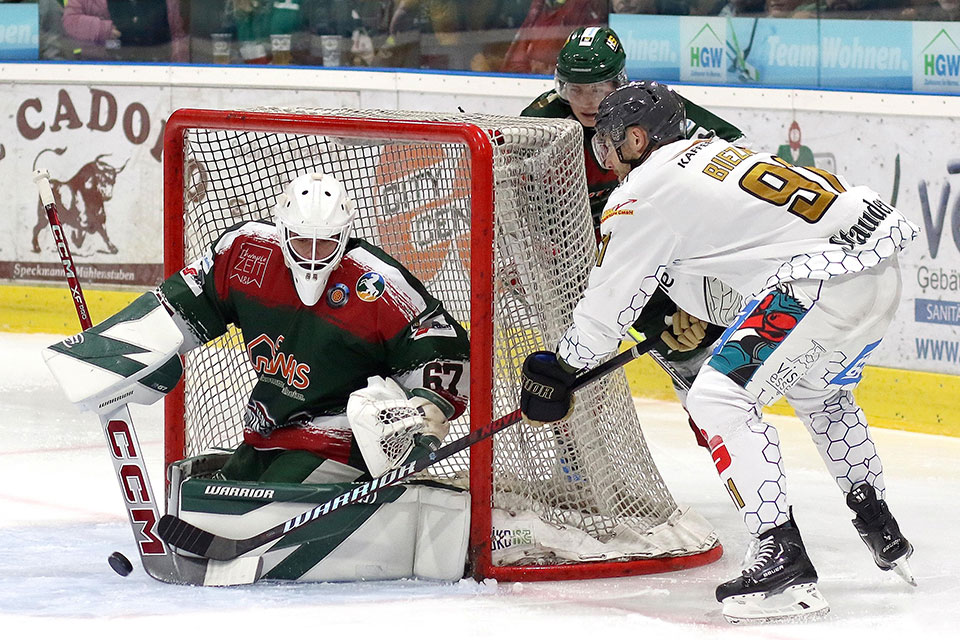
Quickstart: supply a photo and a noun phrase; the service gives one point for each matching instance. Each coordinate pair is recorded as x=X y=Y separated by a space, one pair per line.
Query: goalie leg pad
x=406 y=531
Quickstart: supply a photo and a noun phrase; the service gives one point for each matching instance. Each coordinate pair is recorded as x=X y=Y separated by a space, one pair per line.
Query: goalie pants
x=248 y=463
x=808 y=341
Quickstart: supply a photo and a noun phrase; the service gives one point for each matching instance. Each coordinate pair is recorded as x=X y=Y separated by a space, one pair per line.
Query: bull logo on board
x=81 y=202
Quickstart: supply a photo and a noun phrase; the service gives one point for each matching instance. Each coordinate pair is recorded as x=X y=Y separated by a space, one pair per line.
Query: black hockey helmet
x=646 y=104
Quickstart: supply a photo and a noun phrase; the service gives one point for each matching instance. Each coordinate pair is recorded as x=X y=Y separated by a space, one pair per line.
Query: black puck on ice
x=119 y=563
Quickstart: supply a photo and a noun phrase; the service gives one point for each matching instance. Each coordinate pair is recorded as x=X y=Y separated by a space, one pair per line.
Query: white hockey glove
x=388 y=425
x=685 y=333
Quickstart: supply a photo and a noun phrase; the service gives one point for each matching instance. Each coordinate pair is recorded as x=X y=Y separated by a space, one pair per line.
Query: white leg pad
x=443 y=532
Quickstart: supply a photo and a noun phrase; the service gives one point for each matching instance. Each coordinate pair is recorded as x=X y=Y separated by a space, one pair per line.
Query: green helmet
x=590 y=55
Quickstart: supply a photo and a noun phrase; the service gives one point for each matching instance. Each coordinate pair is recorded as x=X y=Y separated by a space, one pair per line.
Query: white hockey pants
x=807 y=341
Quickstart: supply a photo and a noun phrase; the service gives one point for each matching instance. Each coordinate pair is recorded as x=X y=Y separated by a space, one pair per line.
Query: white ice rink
x=61 y=516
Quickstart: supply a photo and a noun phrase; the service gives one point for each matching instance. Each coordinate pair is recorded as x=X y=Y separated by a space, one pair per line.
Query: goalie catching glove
x=686 y=332
x=392 y=428
x=546 y=394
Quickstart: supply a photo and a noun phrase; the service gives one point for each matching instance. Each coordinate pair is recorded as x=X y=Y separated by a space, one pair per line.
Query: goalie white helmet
x=314 y=216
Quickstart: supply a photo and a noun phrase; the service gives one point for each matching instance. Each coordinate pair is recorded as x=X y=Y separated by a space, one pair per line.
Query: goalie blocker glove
x=547 y=391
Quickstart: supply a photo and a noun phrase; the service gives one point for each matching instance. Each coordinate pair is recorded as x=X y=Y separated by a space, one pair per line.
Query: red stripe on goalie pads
x=333 y=444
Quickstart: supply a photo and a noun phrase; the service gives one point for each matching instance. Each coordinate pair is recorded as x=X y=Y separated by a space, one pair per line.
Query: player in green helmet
x=590 y=65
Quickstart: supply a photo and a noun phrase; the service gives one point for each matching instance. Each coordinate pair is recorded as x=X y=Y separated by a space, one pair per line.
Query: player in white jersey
x=816 y=262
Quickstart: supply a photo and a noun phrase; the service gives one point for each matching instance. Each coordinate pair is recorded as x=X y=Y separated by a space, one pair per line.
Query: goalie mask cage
x=491 y=214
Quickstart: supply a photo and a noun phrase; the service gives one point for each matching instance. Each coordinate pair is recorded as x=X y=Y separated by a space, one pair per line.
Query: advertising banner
x=103 y=145
x=843 y=54
x=102 y=148
x=19 y=31
x=936 y=57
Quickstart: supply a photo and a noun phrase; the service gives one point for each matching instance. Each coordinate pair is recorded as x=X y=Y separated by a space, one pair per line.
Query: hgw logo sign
x=940 y=62
x=706 y=57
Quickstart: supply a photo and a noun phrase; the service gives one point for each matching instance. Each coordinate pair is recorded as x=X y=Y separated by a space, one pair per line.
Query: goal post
x=491 y=213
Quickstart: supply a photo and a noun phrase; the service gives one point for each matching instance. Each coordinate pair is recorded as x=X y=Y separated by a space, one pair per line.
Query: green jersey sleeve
x=193 y=297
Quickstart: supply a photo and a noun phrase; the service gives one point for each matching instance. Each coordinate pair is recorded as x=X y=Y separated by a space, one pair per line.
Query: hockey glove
x=686 y=332
x=546 y=394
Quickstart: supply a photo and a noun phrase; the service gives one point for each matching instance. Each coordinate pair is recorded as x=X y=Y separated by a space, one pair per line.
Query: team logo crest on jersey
x=282 y=365
x=436 y=326
x=193 y=274
x=251 y=264
x=257 y=418
x=371 y=286
x=337 y=295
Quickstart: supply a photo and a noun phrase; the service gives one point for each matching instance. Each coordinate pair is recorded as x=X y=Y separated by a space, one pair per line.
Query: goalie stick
x=158 y=561
x=193 y=539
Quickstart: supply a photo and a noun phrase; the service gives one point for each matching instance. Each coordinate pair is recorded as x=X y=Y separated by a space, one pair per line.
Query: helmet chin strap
x=636 y=162
x=650 y=148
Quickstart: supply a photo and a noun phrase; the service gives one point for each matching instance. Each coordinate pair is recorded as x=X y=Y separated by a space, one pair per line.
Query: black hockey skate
x=779 y=584
x=880 y=532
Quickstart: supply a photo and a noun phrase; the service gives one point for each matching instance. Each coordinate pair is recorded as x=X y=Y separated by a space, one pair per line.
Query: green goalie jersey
x=374 y=318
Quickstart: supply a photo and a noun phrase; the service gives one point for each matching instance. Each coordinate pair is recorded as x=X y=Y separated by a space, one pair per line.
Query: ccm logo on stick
x=135 y=491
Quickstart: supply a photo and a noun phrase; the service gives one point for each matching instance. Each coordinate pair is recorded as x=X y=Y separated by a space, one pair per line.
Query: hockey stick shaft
x=187 y=537
x=678 y=379
x=128 y=464
x=42 y=178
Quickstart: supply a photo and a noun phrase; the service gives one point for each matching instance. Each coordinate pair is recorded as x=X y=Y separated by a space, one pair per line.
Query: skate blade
x=902 y=568
x=799 y=603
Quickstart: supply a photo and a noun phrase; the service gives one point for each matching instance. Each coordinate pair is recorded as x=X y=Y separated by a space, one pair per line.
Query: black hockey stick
x=159 y=562
x=187 y=537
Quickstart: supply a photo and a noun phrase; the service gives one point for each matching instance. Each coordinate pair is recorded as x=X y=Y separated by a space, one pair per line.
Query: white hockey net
x=589 y=481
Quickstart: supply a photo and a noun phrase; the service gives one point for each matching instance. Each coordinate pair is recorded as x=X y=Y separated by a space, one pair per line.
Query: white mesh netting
x=592 y=473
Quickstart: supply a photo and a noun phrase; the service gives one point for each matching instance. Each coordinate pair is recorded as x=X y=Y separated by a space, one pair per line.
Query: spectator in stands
x=545 y=29
x=669 y=7
x=139 y=29
x=742 y=8
x=928 y=10
x=863 y=9
x=52 y=45
x=941 y=11
x=792 y=8
x=452 y=28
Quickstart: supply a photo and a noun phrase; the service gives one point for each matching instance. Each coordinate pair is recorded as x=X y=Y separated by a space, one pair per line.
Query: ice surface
x=61 y=516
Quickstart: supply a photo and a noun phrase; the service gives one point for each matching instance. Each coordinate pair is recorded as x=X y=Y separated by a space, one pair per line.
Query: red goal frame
x=481 y=334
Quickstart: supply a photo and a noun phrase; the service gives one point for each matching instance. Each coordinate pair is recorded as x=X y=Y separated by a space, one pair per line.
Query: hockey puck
x=119 y=563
